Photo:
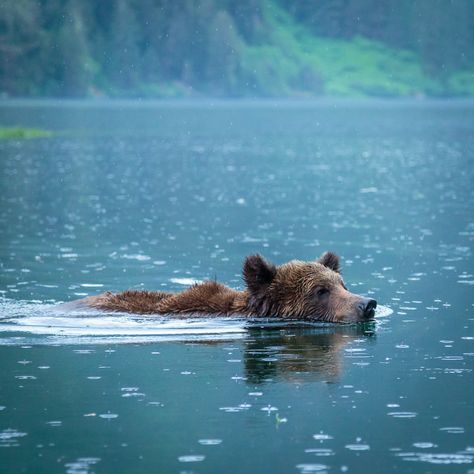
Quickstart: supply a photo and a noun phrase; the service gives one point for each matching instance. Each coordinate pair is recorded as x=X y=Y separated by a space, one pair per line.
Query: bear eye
x=322 y=291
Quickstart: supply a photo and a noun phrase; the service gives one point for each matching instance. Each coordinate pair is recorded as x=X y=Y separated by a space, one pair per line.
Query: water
x=159 y=195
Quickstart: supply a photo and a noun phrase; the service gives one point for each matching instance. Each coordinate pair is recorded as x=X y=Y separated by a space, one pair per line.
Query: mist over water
x=159 y=195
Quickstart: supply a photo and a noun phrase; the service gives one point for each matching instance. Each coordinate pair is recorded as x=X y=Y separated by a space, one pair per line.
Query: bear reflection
x=300 y=354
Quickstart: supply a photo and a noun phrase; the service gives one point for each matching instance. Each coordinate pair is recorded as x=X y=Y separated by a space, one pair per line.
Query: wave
x=26 y=322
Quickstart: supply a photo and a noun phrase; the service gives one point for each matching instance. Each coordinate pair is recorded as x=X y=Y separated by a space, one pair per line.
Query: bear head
x=303 y=290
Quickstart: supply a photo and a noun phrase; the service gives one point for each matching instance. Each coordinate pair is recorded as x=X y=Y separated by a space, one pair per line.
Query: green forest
x=236 y=48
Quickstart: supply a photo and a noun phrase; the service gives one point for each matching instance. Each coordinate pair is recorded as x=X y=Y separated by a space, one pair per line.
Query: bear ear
x=330 y=260
x=258 y=273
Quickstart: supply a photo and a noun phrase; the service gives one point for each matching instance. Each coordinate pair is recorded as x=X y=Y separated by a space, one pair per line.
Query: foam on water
x=27 y=322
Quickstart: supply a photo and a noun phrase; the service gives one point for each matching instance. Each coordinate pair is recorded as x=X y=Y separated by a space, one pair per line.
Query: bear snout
x=367 y=307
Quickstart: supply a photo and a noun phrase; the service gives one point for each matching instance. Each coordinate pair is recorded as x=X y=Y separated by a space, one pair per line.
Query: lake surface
x=157 y=195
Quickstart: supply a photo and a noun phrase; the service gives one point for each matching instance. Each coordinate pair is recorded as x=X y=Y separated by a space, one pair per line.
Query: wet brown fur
x=288 y=291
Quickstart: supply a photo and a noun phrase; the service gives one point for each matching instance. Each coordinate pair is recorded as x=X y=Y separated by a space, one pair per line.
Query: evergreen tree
x=223 y=54
x=123 y=58
x=73 y=75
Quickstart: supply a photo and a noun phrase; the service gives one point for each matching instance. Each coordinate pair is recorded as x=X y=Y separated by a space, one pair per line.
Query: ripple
x=9 y=438
x=185 y=281
x=80 y=465
x=383 y=311
x=85 y=327
x=192 y=458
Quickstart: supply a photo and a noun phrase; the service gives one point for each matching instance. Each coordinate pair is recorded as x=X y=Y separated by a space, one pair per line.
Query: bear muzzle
x=366 y=308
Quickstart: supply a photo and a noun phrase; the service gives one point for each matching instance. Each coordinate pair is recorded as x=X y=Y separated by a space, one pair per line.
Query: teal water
x=156 y=195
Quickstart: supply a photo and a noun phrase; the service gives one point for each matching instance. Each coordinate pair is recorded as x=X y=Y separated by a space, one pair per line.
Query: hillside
x=250 y=48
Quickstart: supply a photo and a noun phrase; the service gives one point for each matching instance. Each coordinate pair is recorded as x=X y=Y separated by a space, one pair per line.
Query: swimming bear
x=311 y=291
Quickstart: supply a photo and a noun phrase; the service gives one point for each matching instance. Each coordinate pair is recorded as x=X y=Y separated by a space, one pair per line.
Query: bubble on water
x=402 y=414
x=210 y=442
x=136 y=256
x=322 y=436
x=425 y=445
x=54 y=423
x=133 y=394
x=255 y=394
x=453 y=429
x=358 y=446
x=108 y=416
x=192 y=458
x=310 y=468
x=451 y=358
x=320 y=451
x=94 y=377
x=25 y=377
x=232 y=409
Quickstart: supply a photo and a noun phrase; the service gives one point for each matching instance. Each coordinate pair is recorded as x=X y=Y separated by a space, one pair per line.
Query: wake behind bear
x=311 y=291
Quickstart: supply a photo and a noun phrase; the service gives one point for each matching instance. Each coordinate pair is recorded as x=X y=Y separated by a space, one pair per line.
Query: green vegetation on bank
x=249 y=48
x=296 y=62
x=23 y=133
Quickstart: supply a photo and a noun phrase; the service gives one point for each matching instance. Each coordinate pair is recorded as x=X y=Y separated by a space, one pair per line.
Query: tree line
x=213 y=47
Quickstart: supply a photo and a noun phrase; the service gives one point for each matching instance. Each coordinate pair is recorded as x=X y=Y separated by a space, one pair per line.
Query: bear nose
x=367 y=307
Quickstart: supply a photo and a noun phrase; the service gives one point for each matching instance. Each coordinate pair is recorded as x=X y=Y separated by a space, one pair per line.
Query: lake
x=157 y=195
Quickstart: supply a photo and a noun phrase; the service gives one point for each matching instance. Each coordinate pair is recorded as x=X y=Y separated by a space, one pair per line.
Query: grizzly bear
x=295 y=290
